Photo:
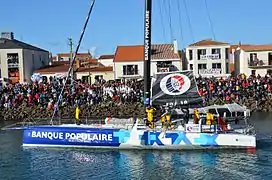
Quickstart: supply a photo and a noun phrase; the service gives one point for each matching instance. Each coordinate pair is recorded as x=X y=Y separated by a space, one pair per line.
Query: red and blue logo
x=175 y=84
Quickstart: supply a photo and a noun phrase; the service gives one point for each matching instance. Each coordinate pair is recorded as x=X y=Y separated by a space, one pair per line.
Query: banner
x=178 y=88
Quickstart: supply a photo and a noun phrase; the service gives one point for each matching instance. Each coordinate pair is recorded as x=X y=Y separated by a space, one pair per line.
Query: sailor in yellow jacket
x=196 y=116
x=209 y=118
x=77 y=115
x=150 y=116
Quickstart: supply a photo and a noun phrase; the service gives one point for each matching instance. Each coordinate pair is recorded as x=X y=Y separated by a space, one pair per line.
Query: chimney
x=7 y=35
x=175 y=46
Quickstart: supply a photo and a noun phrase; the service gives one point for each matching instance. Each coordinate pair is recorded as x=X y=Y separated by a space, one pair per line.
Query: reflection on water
x=43 y=163
x=72 y=163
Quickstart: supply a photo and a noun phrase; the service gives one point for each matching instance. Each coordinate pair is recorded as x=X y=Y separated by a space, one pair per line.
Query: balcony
x=259 y=64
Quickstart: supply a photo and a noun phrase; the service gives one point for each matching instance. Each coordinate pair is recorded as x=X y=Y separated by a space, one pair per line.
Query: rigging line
x=163 y=28
x=74 y=58
x=180 y=24
x=188 y=18
x=170 y=20
x=209 y=17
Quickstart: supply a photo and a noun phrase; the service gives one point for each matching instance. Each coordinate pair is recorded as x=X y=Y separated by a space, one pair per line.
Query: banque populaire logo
x=175 y=84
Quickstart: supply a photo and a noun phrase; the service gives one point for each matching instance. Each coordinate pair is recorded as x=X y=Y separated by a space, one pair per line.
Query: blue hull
x=61 y=136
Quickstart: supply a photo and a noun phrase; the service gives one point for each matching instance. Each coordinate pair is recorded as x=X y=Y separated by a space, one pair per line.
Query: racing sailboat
x=178 y=88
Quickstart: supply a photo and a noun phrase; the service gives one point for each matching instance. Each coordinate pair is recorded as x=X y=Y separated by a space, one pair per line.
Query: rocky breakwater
x=100 y=111
x=25 y=112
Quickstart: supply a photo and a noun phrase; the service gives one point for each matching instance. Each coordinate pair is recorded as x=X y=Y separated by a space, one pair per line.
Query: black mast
x=147 y=51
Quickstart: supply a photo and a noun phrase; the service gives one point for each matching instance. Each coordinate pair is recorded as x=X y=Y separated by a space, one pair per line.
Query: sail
x=175 y=87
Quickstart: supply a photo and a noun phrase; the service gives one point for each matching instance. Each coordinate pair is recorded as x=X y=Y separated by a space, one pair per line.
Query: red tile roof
x=64 y=68
x=107 y=56
x=263 y=47
x=207 y=42
x=136 y=53
x=78 y=54
x=95 y=69
x=53 y=69
x=60 y=62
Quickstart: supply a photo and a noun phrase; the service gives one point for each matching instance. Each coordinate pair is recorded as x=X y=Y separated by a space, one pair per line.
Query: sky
x=48 y=24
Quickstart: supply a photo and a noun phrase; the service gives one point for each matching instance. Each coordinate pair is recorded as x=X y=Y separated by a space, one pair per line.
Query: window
x=216 y=65
x=252 y=56
x=202 y=66
x=130 y=70
x=227 y=68
x=253 y=59
x=227 y=51
x=200 y=52
x=190 y=54
x=191 y=67
x=13 y=60
x=218 y=52
x=253 y=72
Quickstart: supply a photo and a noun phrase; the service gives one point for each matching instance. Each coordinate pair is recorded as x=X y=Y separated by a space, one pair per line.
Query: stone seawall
x=100 y=111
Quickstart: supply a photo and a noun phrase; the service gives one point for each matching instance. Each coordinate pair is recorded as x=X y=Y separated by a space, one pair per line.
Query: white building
x=129 y=60
x=208 y=58
x=19 y=60
x=106 y=60
x=253 y=59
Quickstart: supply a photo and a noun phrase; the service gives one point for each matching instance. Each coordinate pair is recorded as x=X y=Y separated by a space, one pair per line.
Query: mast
x=73 y=61
x=147 y=50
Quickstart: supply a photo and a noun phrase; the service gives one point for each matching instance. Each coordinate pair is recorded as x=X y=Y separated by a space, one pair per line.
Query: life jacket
x=150 y=115
x=168 y=118
x=209 y=118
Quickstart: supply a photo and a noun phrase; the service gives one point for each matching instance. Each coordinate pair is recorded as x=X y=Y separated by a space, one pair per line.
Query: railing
x=259 y=63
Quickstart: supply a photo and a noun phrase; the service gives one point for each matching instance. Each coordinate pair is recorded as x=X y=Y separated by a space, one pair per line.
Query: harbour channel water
x=62 y=164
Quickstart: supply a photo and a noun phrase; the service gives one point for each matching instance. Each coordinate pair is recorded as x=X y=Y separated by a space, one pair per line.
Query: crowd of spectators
x=45 y=94
x=235 y=88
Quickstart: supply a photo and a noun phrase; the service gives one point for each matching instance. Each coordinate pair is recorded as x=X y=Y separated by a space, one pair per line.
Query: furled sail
x=177 y=87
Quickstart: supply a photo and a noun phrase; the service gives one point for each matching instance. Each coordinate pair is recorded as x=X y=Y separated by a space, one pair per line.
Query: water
x=62 y=164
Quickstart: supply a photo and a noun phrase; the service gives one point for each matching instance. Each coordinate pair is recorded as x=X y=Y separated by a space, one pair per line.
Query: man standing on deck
x=150 y=116
x=77 y=115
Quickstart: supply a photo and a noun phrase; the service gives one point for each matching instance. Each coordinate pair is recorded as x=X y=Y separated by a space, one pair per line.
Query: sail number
x=177 y=103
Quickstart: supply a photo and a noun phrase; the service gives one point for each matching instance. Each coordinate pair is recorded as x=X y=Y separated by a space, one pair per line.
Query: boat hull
x=92 y=137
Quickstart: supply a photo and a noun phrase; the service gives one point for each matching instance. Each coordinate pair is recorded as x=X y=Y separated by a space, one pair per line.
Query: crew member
x=166 y=120
x=77 y=115
x=209 y=118
x=150 y=116
x=196 y=116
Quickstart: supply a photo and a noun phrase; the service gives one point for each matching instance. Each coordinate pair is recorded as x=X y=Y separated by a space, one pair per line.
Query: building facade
x=19 y=60
x=106 y=60
x=208 y=58
x=253 y=59
x=129 y=60
x=88 y=71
